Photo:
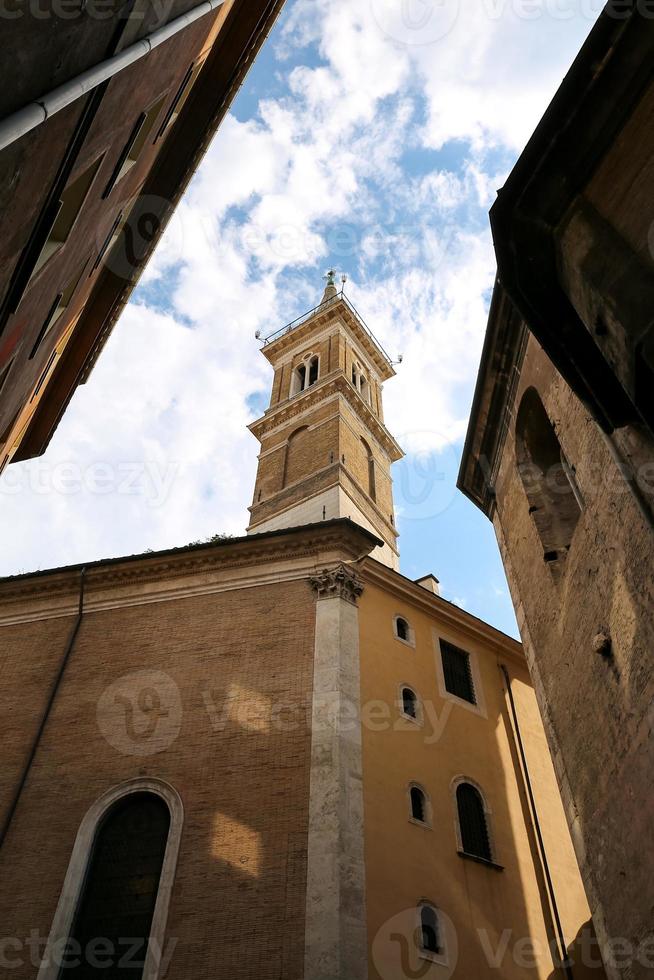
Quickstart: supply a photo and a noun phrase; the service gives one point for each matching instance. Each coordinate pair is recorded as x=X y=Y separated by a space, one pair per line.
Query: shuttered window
x=457 y=672
x=472 y=822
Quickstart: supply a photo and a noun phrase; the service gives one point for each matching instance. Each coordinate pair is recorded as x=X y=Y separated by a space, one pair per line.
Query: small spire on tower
x=330 y=288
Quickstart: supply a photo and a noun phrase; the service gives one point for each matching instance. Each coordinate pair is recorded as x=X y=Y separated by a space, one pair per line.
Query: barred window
x=120 y=892
x=429 y=931
x=475 y=839
x=457 y=672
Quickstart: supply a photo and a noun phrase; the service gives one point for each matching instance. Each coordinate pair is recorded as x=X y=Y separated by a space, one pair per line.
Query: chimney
x=429 y=582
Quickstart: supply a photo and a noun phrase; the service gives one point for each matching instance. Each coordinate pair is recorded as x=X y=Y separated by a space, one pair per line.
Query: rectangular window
x=457 y=672
x=57 y=309
x=64 y=215
x=181 y=96
x=109 y=241
x=135 y=144
x=4 y=373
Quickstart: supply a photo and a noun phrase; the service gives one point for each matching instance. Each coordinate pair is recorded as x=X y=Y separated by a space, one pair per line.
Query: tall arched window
x=555 y=502
x=298 y=461
x=120 y=890
x=473 y=826
x=372 y=490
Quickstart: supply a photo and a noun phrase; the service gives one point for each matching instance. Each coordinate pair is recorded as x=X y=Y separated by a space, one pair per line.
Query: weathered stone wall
x=588 y=636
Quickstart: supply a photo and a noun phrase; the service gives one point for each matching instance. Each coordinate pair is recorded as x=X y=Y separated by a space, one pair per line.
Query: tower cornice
x=333 y=384
x=277 y=344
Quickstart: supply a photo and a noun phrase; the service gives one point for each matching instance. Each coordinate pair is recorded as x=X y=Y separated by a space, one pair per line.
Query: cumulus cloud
x=379 y=150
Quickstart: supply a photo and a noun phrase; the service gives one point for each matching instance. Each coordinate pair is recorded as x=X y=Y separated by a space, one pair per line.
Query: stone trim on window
x=77 y=866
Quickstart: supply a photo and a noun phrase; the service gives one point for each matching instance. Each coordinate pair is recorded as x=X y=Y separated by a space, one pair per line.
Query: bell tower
x=325 y=451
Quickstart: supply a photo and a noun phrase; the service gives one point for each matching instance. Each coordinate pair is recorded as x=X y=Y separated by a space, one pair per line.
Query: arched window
x=555 y=502
x=418 y=804
x=409 y=703
x=121 y=886
x=298 y=462
x=402 y=629
x=117 y=887
x=299 y=379
x=372 y=490
x=305 y=374
x=473 y=826
x=430 y=939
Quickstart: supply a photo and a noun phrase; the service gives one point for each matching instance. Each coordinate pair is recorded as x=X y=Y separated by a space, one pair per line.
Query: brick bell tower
x=325 y=451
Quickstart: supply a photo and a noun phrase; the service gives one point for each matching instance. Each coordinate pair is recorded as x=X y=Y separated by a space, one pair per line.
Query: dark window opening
x=120 y=890
x=409 y=703
x=402 y=629
x=429 y=938
x=313 y=371
x=555 y=501
x=457 y=672
x=135 y=144
x=417 y=804
x=4 y=373
x=472 y=822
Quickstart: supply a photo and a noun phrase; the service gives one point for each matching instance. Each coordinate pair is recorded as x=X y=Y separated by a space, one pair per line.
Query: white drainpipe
x=32 y=115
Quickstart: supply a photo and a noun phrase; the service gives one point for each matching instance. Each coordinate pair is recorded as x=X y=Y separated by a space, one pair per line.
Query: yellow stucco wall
x=406 y=862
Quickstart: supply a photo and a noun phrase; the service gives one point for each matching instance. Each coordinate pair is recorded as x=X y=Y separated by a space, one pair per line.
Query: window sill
x=439 y=958
x=420 y=823
x=480 y=860
x=416 y=722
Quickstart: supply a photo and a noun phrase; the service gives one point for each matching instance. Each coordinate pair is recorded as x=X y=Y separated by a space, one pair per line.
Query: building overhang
x=499 y=372
x=245 y=28
x=595 y=100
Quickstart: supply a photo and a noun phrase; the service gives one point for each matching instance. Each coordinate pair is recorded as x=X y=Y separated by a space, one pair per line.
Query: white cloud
x=318 y=174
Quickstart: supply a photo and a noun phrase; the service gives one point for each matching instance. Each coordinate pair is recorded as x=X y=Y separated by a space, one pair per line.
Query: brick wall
x=237 y=905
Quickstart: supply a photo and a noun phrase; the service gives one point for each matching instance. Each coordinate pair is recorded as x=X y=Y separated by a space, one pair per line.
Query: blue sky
x=372 y=136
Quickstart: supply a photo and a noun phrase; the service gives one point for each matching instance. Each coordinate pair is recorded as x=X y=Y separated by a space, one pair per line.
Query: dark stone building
x=559 y=455
x=106 y=109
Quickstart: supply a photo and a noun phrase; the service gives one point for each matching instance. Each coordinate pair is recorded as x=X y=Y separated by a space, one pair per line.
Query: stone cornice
x=334 y=383
x=337 y=583
x=237 y=563
x=374 y=573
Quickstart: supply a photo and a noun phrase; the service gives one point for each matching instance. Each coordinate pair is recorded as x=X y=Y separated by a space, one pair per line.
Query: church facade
x=275 y=756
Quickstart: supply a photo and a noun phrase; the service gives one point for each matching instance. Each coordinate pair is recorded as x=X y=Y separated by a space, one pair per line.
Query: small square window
x=457 y=672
